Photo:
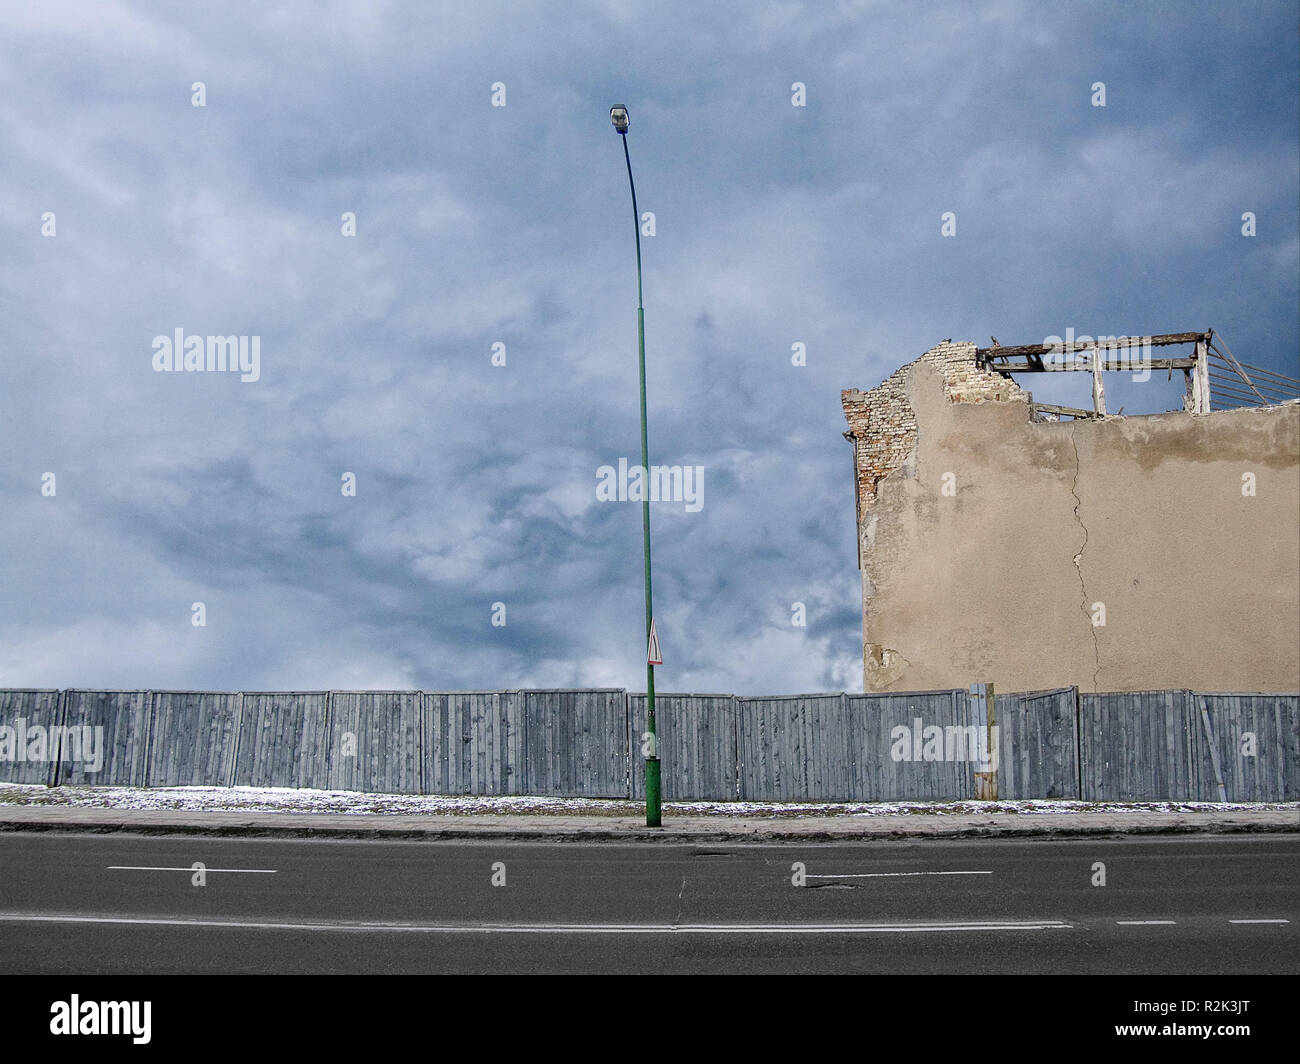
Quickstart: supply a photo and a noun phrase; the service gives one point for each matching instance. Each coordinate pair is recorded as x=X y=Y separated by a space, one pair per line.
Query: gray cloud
x=478 y=225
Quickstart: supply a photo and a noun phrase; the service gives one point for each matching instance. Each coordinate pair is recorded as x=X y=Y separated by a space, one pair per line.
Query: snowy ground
x=290 y=800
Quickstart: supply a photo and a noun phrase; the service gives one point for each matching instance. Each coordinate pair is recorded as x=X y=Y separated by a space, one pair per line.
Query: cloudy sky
x=128 y=213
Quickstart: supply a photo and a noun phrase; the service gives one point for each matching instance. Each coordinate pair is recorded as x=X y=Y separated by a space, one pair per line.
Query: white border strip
x=546 y=929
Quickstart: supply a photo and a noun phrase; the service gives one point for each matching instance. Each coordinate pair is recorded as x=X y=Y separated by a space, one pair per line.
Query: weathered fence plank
x=375 y=741
x=576 y=743
x=190 y=738
x=124 y=718
x=1140 y=746
x=1257 y=740
x=795 y=748
x=897 y=761
x=23 y=710
x=697 y=736
x=284 y=740
x=1038 y=744
x=473 y=742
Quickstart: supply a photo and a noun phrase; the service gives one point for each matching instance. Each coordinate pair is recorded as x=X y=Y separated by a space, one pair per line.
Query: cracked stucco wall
x=1090 y=610
x=999 y=579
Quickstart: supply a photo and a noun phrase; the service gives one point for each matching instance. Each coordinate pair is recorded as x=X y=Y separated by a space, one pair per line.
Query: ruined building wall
x=882 y=423
x=987 y=542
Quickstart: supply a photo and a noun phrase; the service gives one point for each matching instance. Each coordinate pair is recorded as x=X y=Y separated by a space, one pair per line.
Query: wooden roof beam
x=984 y=354
x=1085 y=367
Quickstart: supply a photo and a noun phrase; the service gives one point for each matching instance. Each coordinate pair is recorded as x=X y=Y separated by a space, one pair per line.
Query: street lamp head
x=618 y=115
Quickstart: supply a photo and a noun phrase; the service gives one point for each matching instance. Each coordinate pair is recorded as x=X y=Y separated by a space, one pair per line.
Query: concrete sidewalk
x=710 y=828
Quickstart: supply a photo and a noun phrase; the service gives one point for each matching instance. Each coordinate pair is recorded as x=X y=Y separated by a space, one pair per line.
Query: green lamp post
x=618 y=115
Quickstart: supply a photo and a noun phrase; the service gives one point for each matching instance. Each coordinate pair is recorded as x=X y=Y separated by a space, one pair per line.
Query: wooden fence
x=907 y=746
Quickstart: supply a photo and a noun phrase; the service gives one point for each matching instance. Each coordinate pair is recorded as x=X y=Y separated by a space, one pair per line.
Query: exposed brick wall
x=882 y=423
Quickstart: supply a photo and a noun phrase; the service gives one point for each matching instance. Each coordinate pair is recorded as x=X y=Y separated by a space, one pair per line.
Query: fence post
x=60 y=715
x=986 y=783
x=1214 y=748
x=735 y=761
x=1078 y=745
x=146 y=772
x=851 y=790
x=234 y=741
x=330 y=781
x=631 y=751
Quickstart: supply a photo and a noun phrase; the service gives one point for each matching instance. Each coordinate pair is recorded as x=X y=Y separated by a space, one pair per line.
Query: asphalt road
x=112 y=904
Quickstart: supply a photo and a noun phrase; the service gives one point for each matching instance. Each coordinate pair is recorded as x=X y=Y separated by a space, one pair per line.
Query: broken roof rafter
x=1035 y=352
x=1084 y=365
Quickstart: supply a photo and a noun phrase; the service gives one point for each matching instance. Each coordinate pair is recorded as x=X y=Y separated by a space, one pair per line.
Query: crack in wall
x=1083 y=605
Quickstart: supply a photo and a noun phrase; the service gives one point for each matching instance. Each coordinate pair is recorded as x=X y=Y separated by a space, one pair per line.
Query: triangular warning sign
x=653 y=657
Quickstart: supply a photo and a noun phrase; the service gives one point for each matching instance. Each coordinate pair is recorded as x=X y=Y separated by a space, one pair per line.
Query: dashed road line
x=185 y=868
x=887 y=875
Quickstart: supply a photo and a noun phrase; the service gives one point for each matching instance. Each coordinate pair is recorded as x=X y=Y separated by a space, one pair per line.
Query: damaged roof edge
x=983 y=354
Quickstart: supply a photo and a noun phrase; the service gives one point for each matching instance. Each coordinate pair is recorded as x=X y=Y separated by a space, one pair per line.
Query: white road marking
x=549 y=929
x=1259 y=921
x=886 y=875
x=186 y=868
x=1144 y=923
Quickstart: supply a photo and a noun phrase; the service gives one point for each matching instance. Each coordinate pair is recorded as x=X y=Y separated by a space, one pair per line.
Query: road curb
x=516 y=833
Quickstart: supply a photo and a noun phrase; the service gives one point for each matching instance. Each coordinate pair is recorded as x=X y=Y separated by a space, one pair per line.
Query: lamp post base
x=652 y=815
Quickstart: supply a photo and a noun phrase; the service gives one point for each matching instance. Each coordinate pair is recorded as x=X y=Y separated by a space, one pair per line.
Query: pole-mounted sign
x=653 y=656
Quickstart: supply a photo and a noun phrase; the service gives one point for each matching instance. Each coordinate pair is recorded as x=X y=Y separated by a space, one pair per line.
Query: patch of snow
x=295 y=800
